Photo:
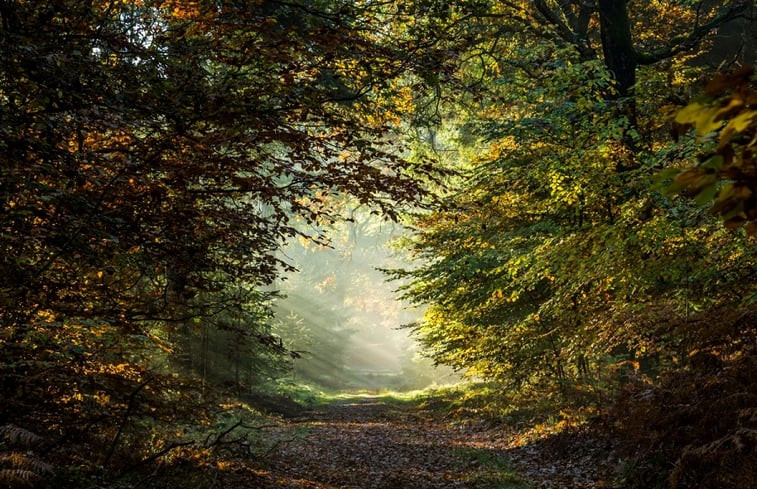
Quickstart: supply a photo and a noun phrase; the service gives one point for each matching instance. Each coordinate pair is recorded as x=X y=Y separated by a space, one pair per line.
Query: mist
x=343 y=317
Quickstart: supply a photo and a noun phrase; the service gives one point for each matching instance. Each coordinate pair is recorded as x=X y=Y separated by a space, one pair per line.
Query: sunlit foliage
x=558 y=264
x=156 y=155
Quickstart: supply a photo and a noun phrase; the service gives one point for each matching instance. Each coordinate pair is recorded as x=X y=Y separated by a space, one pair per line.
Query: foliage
x=726 y=127
x=557 y=267
x=154 y=156
x=557 y=257
x=186 y=127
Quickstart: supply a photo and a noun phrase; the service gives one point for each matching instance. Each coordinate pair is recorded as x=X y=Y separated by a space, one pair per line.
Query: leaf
x=751 y=228
x=708 y=122
x=736 y=125
x=706 y=194
x=666 y=174
x=734 y=222
x=743 y=120
x=705 y=118
x=690 y=113
x=713 y=163
x=735 y=214
x=694 y=179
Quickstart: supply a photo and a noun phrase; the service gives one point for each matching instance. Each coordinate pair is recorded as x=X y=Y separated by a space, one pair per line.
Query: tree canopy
x=158 y=155
x=561 y=263
x=155 y=156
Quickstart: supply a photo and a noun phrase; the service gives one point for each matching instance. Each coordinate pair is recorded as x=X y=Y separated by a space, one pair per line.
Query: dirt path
x=366 y=442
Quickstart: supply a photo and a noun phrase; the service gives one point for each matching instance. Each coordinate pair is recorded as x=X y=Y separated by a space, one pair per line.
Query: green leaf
x=714 y=162
x=666 y=174
x=707 y=194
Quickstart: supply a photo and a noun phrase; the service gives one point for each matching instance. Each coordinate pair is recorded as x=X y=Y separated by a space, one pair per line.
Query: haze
x=345 y=319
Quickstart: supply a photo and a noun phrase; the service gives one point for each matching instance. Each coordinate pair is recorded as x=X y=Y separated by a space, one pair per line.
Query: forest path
x=371 y=442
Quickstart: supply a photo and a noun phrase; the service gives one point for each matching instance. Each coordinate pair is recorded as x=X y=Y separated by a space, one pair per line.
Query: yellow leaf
x=689 y=114
x=706 y=123
x=732 y=104
x=737 y=124
x=702 y=116
x=727 y=191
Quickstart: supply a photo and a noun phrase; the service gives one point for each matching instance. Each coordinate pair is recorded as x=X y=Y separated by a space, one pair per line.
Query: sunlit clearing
x=345 y=320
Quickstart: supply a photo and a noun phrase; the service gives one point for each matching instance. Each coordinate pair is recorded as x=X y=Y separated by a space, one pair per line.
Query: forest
x=378 y=244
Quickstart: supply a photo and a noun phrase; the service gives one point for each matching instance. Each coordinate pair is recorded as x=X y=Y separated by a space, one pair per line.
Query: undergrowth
x=696 y=426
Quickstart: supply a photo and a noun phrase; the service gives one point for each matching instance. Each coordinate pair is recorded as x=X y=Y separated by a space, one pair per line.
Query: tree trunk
x=617 y=44
x=620 y=59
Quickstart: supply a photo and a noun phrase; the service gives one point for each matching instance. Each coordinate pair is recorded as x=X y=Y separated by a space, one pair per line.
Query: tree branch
x=129 y=409
x=683 y=43
x=553 y=18
x=157 y=455
x=571 y=26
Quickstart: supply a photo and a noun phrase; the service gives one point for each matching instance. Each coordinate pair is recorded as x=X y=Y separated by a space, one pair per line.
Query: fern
x=16 y=436
x=25 y=461
x=16 y=468
x=15 y=477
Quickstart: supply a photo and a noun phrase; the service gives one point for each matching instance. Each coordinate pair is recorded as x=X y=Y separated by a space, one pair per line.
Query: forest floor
x=384 y=443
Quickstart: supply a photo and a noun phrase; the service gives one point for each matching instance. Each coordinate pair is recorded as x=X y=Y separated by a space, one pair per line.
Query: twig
x=276 y=445
x=129 y=409
x=156 y=455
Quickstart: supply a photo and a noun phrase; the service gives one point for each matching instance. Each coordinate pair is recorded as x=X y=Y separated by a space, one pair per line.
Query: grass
x=312 y=396
x=474 y=400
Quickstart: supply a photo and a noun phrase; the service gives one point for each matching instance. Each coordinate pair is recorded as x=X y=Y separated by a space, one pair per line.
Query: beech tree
x=131 y=128
x=558 y=259
x=154 y=155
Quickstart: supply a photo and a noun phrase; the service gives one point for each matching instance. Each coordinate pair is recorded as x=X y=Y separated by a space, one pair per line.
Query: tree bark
x=620 y=59
x=617 y=45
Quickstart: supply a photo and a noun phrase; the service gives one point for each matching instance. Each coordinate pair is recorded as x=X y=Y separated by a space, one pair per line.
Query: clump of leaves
x=725 y=123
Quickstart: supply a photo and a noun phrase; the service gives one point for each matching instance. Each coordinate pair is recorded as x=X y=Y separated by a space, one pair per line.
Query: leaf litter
x=368 y=442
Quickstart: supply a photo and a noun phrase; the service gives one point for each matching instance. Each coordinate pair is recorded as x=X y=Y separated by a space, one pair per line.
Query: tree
x=571 y=21
x=154 y=155
x=558 y=260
